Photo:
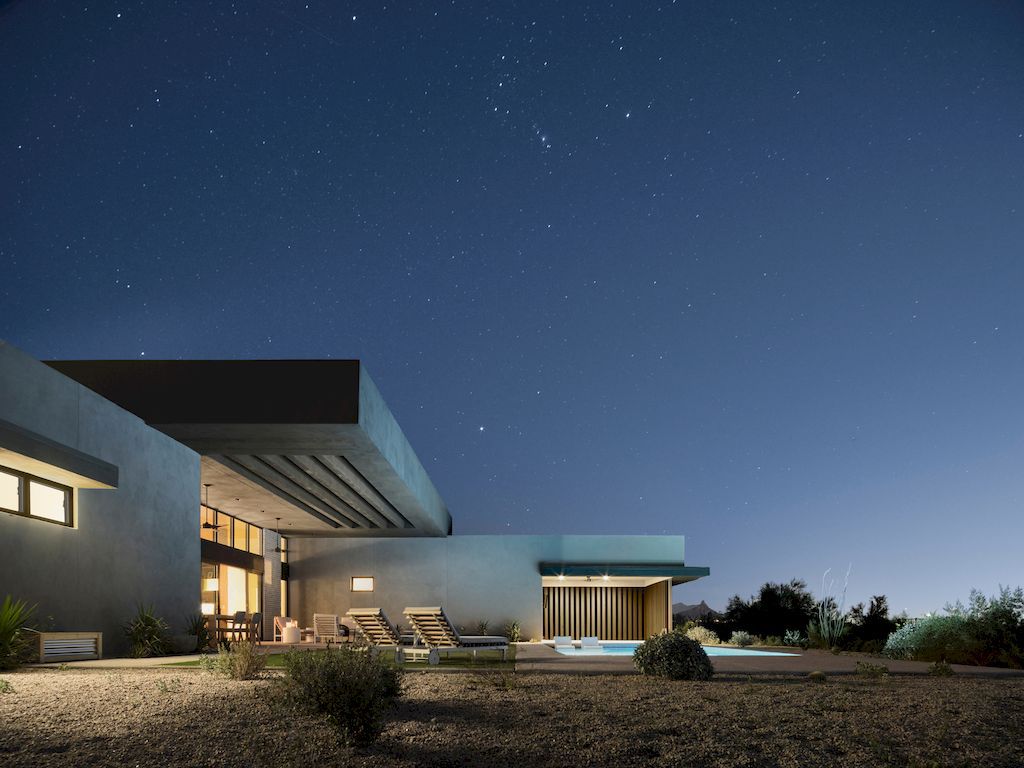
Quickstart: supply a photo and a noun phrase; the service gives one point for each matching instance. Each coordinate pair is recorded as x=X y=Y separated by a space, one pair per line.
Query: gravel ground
x=192 y=718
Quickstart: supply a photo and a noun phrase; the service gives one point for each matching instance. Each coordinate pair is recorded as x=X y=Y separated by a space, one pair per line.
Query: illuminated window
x=362 y=583
x=29 y=496
x=10 y=492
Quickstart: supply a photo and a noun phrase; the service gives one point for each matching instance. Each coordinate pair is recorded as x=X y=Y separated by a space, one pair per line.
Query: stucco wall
x=491 y=578
x=135 y=544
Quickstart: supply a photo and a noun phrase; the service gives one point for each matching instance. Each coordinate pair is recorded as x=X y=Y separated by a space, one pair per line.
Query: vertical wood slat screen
x=610 y=613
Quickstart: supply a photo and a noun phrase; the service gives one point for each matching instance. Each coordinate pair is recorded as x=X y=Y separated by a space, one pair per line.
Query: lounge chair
x=438 y=636
x=375 y=627
x=563 y=641
x=590 y=641
x=280 y=622
x=325 y=628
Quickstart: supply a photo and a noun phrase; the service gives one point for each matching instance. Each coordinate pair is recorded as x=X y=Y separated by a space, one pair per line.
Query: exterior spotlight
x=561 y=577
x=605 y=577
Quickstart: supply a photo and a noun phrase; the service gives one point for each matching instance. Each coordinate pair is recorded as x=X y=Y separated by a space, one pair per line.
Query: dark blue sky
x=749 y=274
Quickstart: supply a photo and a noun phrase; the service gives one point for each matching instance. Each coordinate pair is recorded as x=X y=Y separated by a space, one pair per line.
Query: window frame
x=352 y=584
x=25 y=497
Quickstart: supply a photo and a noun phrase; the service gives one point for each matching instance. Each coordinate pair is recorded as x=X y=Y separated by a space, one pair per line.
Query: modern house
x=279 y=486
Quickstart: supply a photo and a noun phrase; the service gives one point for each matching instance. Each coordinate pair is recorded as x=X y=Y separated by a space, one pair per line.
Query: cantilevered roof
x=679 y=572
x=309 y=441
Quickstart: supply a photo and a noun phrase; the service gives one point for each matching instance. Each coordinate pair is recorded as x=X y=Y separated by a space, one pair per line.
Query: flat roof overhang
x=34 y=454
x=309 y=441
x=678 y=572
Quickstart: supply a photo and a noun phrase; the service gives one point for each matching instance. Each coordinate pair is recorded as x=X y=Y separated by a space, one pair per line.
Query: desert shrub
x=816 y=677
x=795 y=638
x=147 y=633
x=987 y=631
x=741 y=638
x=867 y=669
x=933 y=638
x=673 y=655
x=15 y=647
x=481 y=627
x=352 y=687
x=513 y=632
x=940 y=669
x=773 y=640
x=5 y=686
x=703 y=635
x=240 y=661
x=994 y=628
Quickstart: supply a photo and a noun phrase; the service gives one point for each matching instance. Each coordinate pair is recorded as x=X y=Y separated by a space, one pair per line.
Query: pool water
x=626 y=649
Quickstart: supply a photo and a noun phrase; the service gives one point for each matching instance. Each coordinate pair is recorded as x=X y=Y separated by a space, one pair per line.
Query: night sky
x=750 y=273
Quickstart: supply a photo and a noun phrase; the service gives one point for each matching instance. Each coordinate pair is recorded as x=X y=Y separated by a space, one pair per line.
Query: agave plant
x=147 y=633
x=14 y=615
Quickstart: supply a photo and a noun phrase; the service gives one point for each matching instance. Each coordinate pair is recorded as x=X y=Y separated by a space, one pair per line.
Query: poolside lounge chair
x=563 y=641
x=590 y=641
x=325 y=628
x=438 y=636
x=375 y=627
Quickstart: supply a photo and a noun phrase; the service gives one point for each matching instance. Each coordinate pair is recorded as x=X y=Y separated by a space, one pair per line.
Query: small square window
x=362 y=583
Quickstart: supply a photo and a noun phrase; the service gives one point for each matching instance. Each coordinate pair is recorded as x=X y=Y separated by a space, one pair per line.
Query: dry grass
x=158 y=717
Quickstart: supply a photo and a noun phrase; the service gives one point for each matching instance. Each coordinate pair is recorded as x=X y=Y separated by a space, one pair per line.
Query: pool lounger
x=438 y=635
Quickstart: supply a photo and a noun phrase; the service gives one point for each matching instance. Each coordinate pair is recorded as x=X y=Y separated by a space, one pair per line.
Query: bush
x=940 y=669
x=988 y=631
x=773 y=640
x=352 y=687
x=5 y=686
x=14 y=645
x=816 y=677
x=703 y=635
x=241 y=661
x=147 y=633
x=741 y=638
x=481 y=627
x=794 y=638
x=513 y=632
x=933 y=638
x=867 y=669
x=673 y=655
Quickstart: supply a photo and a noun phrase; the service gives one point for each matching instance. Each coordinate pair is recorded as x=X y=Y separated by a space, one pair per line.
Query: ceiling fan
x=209 y=526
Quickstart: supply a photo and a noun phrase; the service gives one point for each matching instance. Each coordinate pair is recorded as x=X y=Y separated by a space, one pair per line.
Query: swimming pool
x=612 y=648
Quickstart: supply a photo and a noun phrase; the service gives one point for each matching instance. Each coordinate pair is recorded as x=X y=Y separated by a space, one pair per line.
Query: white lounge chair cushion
x=590 y=642
x=562 y=640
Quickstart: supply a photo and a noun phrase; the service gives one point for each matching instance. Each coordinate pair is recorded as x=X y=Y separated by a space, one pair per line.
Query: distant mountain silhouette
x=698 y=611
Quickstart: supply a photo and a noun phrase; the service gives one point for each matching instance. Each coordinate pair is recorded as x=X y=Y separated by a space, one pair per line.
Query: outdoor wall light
x=605 y=577
x=206 y=609
x=561 y=577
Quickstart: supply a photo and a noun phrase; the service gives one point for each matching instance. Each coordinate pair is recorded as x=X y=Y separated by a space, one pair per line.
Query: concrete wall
x=135 y=544
x=492 y=578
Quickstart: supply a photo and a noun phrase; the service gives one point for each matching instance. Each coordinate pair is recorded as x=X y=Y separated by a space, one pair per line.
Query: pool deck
x=536 y=657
